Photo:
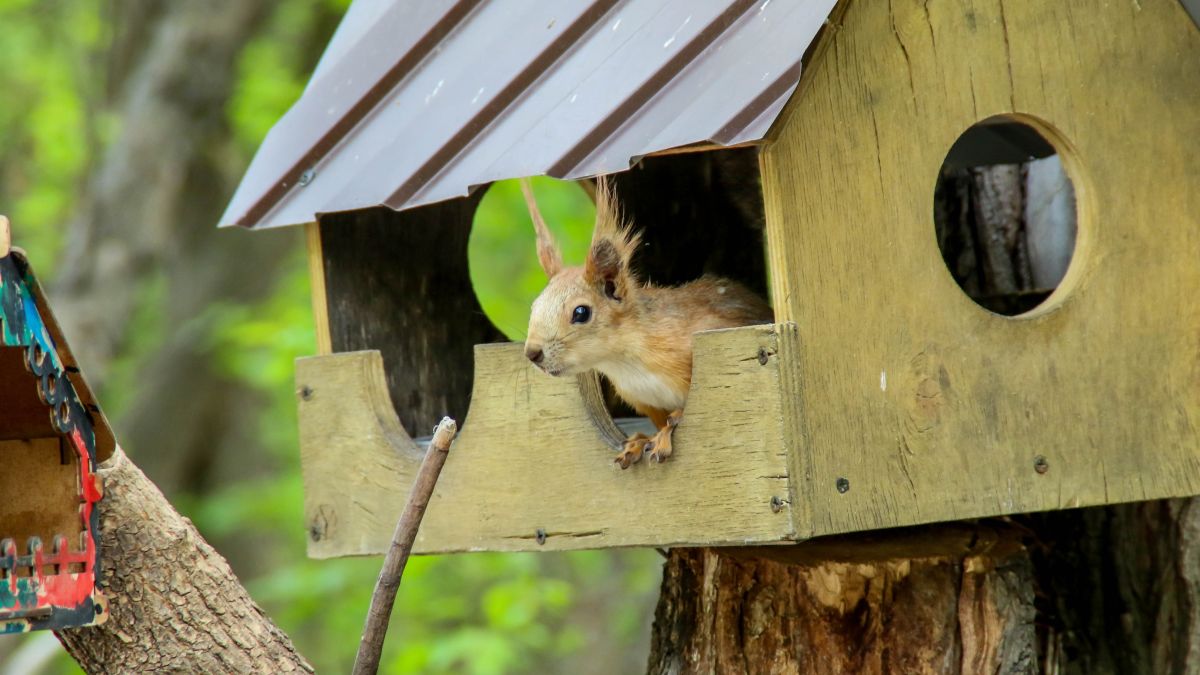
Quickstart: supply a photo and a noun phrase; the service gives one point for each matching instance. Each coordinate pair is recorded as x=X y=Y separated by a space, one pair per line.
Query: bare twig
x=367 y=661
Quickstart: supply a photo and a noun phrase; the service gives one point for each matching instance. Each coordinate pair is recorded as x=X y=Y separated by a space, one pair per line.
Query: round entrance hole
x=506 y=275
x=502 y=249
x=1005 y=216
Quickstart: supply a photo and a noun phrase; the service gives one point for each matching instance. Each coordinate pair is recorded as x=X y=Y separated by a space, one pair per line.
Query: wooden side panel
x=917 y=405
x=534 y=457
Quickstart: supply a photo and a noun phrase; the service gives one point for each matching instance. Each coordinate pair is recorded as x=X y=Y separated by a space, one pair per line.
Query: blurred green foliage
x=479 y=613
x=46 y=140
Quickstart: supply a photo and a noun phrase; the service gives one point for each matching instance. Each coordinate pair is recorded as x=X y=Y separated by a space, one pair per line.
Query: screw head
x=306 y=392
x=776 y=504
x=307 y=177
x=843 y=485
x=762 y=356
x=1040 y=464
x=540 y=536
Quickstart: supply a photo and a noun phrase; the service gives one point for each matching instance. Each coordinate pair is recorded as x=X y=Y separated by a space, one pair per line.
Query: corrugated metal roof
x=417 y=102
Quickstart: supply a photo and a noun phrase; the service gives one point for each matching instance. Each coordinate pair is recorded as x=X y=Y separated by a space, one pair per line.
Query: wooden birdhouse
x=52 y=435
x=891 y=390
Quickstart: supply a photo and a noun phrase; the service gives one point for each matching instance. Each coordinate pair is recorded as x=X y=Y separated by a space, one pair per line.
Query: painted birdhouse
x=52 y=434
x=894 y=388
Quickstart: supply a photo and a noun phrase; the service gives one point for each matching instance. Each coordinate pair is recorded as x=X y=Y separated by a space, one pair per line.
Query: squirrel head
x=575 y=323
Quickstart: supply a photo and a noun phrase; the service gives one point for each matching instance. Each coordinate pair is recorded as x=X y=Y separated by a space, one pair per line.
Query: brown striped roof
x=419 y=102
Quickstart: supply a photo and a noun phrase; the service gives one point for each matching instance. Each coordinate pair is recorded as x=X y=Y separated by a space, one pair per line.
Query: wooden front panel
x=915 y=404
x=535 y=454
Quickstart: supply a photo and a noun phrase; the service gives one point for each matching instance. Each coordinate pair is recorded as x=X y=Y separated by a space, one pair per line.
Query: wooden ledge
x=532 y=467
x=951 y=541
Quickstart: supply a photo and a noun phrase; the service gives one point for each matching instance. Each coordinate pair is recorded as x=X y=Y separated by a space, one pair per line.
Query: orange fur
x=638 y=336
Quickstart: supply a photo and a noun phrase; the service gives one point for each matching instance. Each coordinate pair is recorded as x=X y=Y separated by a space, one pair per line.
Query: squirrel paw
x=659 y=448
x=635 y=445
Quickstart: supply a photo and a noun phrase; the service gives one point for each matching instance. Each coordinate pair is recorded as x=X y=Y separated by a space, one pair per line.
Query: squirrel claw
x=632 y=452
x=659 y=447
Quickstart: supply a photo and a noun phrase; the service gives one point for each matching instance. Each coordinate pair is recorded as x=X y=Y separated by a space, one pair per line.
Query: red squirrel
x=639 y=336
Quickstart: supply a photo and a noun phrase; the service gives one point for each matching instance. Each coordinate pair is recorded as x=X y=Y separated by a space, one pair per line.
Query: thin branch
x=367 y=661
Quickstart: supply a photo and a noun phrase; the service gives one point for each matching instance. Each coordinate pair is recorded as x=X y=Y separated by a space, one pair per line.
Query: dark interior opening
x=1004 y=212
x=400 y=282
x=699 y=213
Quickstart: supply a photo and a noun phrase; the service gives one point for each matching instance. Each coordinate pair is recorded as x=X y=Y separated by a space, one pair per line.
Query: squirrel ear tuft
x=547 y=250
x=604 y=267
x=613 y=245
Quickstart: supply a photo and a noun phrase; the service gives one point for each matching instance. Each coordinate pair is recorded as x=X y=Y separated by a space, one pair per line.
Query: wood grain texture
x=928 y=407
x=533 y=456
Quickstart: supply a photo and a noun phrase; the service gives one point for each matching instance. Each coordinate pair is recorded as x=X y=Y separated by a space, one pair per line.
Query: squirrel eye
x=581 y=314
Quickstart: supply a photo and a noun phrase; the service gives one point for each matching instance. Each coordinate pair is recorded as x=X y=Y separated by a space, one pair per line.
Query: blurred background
x=124 y=127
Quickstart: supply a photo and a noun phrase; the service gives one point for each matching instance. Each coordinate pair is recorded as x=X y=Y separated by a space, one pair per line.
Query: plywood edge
x=793 y=432
x=532 y=469
x=316 y=280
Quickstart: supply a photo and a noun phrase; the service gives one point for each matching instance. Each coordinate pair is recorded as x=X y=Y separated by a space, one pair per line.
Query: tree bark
x=1119 y=587
x=736 y=613
x=174 y=604
x=1102 y=590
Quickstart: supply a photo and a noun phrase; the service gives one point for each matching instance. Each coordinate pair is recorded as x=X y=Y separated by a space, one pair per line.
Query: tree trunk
x=748 y=611
x=1111 y=589
x=175 y=606
x=147 y=221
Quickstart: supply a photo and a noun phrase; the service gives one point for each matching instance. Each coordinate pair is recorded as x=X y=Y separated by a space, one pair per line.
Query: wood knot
x=322 y=521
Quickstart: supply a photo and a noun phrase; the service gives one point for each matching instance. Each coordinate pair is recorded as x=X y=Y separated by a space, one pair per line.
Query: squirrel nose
x=534 y=354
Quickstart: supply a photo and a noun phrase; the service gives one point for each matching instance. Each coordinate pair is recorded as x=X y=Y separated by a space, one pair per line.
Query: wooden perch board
x=535 y=456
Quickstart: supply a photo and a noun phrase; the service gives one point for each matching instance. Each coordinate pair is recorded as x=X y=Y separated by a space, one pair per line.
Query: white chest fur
x=641 y=387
